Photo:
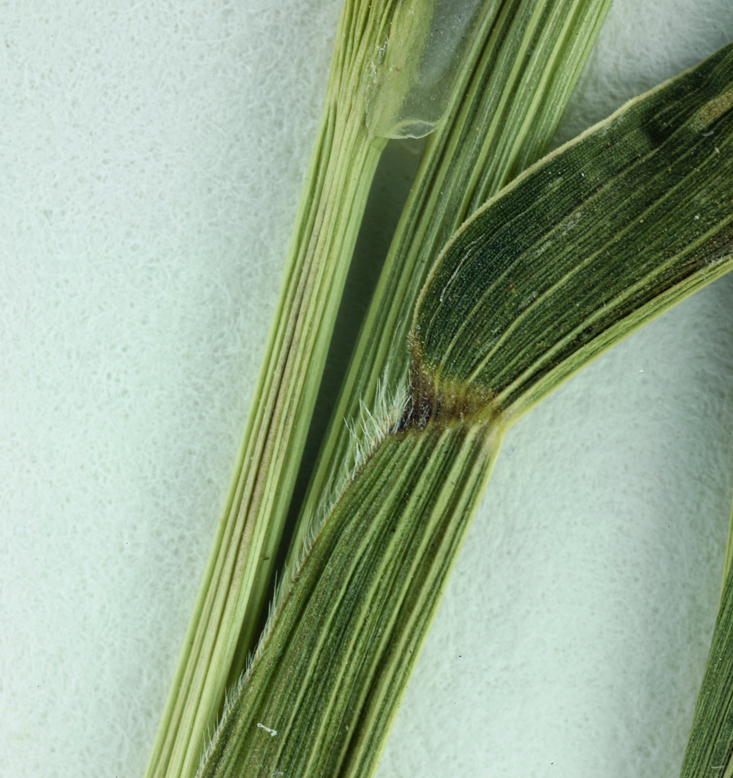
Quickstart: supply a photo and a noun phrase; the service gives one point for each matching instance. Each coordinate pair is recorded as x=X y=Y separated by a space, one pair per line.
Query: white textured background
x=150 y=162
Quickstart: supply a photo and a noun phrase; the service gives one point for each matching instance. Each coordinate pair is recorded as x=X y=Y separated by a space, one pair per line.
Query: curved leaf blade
x=588 y=244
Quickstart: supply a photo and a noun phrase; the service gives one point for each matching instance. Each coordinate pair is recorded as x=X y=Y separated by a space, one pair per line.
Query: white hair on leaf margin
x=366 y=433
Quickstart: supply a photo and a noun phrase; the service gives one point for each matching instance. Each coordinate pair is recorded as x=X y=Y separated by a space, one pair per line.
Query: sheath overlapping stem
x=587 y=245
x=503 y=115
x=236 y=581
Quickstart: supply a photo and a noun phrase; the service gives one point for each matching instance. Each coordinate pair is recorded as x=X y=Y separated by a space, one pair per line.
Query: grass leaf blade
x=594 y=240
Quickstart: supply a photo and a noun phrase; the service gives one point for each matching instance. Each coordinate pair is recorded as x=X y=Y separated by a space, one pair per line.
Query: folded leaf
x=594 y=240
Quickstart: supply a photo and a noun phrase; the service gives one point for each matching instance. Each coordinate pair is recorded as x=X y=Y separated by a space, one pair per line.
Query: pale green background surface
x=151 y=160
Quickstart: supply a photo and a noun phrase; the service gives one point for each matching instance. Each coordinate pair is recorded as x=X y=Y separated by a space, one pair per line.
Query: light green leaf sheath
x=236 y=584
x=577 y=252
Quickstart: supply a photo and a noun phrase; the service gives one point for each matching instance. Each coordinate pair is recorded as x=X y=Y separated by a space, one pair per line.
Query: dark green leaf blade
x=587 y=245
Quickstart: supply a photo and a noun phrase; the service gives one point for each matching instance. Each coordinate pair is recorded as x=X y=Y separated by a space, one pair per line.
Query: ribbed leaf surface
x=586 y=245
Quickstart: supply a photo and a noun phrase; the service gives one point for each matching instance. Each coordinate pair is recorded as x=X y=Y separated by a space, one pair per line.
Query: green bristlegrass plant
x=575 y=253
x=399 y=68
x=571 y=256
